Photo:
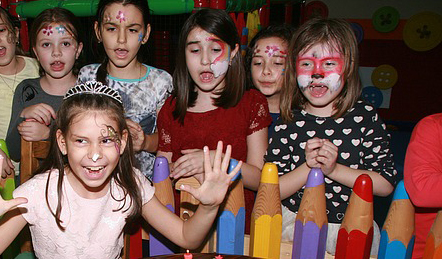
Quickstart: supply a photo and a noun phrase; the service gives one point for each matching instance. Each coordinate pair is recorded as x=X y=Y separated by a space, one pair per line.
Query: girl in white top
x=79 y=201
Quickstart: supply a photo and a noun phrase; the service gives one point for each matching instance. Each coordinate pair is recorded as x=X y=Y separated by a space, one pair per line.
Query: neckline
x=132 y=80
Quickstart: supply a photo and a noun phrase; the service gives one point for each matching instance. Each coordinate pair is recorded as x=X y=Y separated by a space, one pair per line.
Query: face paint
x=112 y=133
x=319 y=67
x=107 y=18
x=140 y=37
x=95 y=157
x=60 y=29
x=121 y=16
x=47 y=30
x=220 y=64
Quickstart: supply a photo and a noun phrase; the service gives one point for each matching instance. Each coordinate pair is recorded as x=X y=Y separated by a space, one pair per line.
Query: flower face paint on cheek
x=220 y=64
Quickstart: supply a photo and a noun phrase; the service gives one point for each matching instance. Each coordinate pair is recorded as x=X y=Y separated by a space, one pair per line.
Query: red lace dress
x=232 y=126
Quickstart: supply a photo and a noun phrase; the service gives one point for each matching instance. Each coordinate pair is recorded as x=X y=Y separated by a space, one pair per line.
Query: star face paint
x=220 y=64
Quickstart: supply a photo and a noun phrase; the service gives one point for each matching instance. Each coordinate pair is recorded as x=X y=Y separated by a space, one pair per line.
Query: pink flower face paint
x=47 y=30
x=220 y=64
x=121 y=16
x=319 y=67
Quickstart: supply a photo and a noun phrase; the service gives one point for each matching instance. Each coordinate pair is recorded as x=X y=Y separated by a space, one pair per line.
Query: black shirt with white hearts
x=362 y=141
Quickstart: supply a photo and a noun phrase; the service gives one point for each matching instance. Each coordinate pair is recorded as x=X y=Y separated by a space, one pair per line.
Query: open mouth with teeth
x=57 y=65
x=318 y=90
x=206 y=76
x=121 y=52
x=94 y=172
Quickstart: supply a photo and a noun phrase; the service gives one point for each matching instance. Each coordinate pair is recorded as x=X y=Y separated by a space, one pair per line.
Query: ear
x=36 y=54
x=233 y=53
x=124 y=137
x=17 y=33
x=97 y=31
x=146 y=36
x=61 y=142
x=79 y=49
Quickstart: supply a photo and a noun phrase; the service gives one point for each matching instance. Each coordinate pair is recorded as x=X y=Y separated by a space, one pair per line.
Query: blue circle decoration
x=372 y=95
x=358 y=30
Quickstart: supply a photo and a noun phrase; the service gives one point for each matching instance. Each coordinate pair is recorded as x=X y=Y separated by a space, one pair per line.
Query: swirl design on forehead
x=112 y=134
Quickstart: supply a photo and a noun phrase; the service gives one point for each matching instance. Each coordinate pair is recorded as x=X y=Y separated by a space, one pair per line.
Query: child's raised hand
x=6 y=165
x=327 y=156
x=33 y=130
x=8 y=205
x=40 y=112
x=216 y=182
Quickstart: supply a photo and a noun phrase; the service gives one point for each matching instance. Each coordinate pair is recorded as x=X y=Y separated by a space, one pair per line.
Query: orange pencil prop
x=266 y=223
x=433 y=247
x=158 y=244
x=311 y=227
x=397 y=235
x=356 y=233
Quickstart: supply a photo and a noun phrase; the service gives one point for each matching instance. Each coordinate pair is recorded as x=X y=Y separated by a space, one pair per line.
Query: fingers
x=188 y=151
x=13 y=203
x=218 y=154
x=206 y=163
x=235 y=171
x=226 y=159
x=133 y=125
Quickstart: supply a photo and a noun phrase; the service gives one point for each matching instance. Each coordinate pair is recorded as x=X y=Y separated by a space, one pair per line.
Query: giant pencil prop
x=231 y=222
x=397 y=235
x=433 y=247
x=158 y=244
x=311 y=227
x=356 y=233
x=266 y=222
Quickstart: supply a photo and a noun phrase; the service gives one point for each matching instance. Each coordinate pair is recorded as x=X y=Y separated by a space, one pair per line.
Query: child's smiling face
x=93 y=147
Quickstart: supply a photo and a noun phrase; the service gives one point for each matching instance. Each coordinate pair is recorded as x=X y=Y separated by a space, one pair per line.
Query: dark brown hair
x=123 y=173
x=60 y=16
x=141 y=5
x=338 y=35
x=219 y=23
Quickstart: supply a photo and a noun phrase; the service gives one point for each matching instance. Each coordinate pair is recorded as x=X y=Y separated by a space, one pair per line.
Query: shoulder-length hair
x=338 y=35
x=219 y=23
x=123 y=173
x=60 y=16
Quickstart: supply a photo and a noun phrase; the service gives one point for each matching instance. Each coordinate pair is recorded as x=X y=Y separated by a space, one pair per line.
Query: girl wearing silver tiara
x=90 y=188
x=122 y=27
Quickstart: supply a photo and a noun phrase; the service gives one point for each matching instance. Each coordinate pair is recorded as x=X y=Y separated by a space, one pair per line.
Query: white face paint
x=95 y=157
x=219 y=68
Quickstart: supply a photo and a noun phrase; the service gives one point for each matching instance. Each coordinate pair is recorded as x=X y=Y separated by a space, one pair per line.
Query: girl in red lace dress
x=210 y=103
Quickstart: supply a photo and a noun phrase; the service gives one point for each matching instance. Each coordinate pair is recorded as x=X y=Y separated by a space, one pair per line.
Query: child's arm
x=12 y=223
x=423 y=163
x=190 y=233
x=140 y=140
x=191 y=163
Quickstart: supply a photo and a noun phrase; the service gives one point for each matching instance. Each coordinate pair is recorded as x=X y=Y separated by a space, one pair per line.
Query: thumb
x=188 y=151
x=189 y=189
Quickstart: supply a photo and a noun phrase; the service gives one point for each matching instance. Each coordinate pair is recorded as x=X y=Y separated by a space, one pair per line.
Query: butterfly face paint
x=121 y=16
x=220 y=64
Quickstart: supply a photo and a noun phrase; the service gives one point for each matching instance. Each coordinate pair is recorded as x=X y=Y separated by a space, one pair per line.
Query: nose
x=56 y=51
x=121 y=36
x=317 y=76
x=266 y=70
x=95 y=153
x=205 y=60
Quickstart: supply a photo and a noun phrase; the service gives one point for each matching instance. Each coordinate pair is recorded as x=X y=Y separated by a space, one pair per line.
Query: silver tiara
x=93 y=87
